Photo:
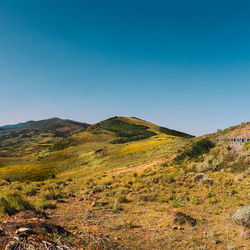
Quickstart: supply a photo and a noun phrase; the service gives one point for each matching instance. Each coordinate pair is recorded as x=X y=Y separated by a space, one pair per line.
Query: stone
x=23 y=231
x=181 y=219
x=2 y=232
x=12 y=245
x=207 y=180
x=203 y=179
x=239 y=177
x=217 y=242
x=245 y=233
x=198 y=177
x=242 y=217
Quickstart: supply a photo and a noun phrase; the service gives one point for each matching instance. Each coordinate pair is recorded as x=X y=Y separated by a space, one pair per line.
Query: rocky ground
x=30 y=230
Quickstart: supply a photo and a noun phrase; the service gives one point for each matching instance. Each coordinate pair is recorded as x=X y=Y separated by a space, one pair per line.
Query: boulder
x=242 y=217
x=181 y=218
x=239 y=177
x=203 y=179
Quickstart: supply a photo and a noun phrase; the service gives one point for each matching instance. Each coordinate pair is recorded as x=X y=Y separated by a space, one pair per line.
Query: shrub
x=196 y=149
x=148 y=197
x=246 y=145
x=176 y=204
x=122 y=198
x=195 y=201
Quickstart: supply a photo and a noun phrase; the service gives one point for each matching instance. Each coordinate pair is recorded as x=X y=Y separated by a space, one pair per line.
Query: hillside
x=33 y=136
x=238 y=131
x=123 y=183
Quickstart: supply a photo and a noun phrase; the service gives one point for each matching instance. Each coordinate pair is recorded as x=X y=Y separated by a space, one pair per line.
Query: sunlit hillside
x=125 y=183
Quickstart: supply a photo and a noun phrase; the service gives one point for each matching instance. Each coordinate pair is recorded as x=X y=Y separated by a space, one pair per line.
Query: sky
x=181 y=64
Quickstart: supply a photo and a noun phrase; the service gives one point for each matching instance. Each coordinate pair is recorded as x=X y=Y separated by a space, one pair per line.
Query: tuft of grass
x=43 y=205
x=12 y=203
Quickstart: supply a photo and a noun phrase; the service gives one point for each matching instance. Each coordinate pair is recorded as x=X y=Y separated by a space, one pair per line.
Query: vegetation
x=196 y=149
x=174 y=133
x=110 y=194
x=12 y=203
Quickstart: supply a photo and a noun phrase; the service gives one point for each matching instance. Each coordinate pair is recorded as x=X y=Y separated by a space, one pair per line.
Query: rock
x=198 y=177
x=177 y=228
x=231 y=248
x=181 y=218
x=12 y=245
x=217 y=242
x=242 y=217
x=245 y=233
x=239 y=177
x=2 y=232
x=23 y=231
x=207 y=180
x=203 y=179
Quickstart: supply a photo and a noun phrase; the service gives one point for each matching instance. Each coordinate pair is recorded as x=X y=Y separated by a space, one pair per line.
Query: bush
x=196 y=149
x=122 y=198
x=246 y=145
x=148 y=197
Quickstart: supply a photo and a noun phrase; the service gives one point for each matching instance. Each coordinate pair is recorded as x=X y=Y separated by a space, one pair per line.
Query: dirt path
x=142 y=167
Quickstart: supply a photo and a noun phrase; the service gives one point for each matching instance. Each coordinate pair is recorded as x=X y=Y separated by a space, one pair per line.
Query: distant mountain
x=56 y=125
x=18 y=125
x=32 y=136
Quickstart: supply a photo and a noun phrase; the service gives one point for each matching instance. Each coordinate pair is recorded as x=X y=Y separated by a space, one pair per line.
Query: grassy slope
x=126 y=193
x=238 y=131
x=94 y=148
x=34 y=136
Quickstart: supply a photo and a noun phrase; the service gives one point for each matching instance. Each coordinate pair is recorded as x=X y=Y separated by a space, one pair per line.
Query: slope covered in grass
x=238 y=131
x=33 y=136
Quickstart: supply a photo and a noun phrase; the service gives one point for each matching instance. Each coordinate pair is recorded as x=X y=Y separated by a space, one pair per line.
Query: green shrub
x=196 y=149
x=174 y=133
x=195 y=201
x=176 y=204
x=246 y=145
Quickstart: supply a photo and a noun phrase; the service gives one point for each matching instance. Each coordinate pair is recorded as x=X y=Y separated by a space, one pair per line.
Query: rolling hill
x=125 y=183
x=32 y=136
x=239 y=131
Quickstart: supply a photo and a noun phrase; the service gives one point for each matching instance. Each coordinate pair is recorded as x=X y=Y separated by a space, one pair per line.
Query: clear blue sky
x=181 y=64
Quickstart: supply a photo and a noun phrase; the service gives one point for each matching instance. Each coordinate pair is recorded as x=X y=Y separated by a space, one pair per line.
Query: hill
x=124 y=184
x=32 y=136
x=238 y=131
